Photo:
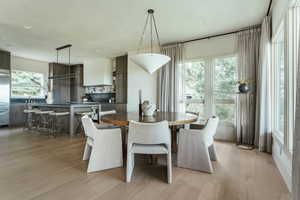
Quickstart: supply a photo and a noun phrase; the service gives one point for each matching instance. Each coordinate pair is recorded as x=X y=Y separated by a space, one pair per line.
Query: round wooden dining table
x=173 y=118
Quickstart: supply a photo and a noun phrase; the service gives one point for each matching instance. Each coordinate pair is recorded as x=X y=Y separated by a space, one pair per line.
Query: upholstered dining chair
x=103 y=125
x=148 y=138
x=196 y=147
x=103 y=147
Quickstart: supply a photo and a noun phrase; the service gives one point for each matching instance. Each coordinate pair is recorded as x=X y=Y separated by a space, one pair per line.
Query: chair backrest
x=211 y=126
x=149 y=133
x=107 y=112
x=88 y=126
x=102 y=113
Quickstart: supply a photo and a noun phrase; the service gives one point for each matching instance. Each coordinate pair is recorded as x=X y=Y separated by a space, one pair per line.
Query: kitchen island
x=72 y=108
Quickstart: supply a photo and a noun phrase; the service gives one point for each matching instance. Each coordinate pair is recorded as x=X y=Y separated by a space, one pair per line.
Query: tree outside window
x=27 y=84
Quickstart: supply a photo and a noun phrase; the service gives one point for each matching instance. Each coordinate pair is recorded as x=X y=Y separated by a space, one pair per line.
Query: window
x=225 y=88
x=279 y=64
x=27 y=84
x=285 y=59
x=210 y=87
x=194 y=87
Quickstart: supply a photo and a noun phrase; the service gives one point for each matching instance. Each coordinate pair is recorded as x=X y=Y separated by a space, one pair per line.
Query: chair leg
x=87 y=152
x=130 y=166
x=169 y=161
x=207 y=162
x=212 y=152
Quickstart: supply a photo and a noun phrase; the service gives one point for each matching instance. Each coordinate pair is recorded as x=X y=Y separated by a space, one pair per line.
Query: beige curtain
x=169 y=79
x=296 y=136
x=263 y=135
x=248 y=58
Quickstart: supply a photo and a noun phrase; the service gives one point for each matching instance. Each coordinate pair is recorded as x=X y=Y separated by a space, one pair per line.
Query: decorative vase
x=148 y=108
x=244 y=88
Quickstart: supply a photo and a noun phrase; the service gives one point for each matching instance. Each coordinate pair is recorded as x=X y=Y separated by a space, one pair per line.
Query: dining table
x=174 y=119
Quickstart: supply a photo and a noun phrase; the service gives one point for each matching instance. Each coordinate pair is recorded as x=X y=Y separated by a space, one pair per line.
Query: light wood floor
x=38 y=167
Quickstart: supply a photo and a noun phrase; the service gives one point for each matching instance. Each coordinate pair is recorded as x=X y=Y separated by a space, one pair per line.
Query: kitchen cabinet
x=16 y=114
x=66 y=82
x=97 y=72
x=121 y=79
x=4 y=60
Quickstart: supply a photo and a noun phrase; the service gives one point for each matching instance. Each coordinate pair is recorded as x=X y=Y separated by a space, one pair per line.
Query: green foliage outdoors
x=224 y=83
x=26 y=84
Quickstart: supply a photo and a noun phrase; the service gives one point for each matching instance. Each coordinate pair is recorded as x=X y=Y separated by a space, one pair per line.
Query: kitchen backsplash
x=99 y=89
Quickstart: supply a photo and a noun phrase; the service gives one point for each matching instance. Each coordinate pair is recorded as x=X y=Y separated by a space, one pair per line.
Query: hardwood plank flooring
x=41 y=168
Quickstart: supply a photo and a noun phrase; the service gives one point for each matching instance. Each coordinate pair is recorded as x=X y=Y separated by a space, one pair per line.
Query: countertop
x=66 y=105
x=61 y=105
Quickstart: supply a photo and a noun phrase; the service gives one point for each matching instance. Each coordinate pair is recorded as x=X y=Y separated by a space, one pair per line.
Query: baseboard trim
x=287 y=176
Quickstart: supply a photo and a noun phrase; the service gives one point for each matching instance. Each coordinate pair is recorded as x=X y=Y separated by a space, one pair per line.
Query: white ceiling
x=112 y=27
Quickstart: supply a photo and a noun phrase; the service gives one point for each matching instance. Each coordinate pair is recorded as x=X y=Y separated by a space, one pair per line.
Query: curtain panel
x=248 y=43
x=263 y=125
x=296 y=136
x=169 y=79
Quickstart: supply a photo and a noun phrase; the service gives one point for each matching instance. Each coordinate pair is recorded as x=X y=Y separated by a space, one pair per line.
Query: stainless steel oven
x=4 y=96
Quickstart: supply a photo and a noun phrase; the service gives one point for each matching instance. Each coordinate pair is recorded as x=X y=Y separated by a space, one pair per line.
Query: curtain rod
x=229 y=33
x=221 y=34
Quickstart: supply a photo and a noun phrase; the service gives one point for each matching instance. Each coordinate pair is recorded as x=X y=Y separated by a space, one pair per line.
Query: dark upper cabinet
x=4 y=60
x=76 y=84
x=121 y=79
x=66 y=82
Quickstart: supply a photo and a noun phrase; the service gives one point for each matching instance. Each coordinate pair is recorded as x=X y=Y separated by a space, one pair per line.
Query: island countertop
x=66 y=105
x=72 y=108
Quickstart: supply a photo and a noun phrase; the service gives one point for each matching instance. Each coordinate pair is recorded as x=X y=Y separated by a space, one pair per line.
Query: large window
x=285 y=59
x=225 y=88
x=279 y=64
x=27 y=84
x=194 y=87
x=210 y=87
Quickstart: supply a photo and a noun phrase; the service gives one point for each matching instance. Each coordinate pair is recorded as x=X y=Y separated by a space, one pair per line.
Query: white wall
x=211 y=47
x=139 y=79
x=218 y=46
x=25 y=64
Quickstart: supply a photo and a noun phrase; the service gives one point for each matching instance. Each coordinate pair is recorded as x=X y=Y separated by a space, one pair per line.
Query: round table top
x=174 y=118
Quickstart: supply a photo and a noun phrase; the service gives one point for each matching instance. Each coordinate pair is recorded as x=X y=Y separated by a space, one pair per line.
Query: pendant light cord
x=156 y=31
x=151 y=42
x=143 y=34
x=152 y=24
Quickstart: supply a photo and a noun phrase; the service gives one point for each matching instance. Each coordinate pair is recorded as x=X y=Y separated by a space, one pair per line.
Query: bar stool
x=57 y=122
x=29 y=118
x=35 y=119
x=42 y=120
x=78 y=115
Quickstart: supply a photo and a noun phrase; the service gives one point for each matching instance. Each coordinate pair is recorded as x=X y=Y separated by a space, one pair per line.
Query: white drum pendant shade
x=150 y=62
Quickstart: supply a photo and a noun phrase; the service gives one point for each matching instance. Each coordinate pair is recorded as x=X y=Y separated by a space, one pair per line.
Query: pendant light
x=150 y=62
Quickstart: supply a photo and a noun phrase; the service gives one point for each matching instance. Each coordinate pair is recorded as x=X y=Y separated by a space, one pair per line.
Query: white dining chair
x=103 y=125
x=103 y=147
x=196 y=147
x=148 y=138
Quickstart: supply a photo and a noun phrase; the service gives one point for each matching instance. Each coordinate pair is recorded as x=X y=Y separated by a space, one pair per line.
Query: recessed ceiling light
x=27 y=27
